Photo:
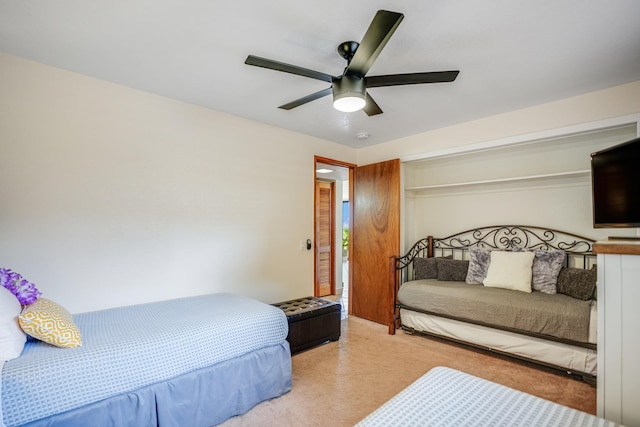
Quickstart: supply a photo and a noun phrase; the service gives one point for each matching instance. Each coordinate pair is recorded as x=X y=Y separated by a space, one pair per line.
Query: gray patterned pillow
x=545 y=270
x=577 y=283
x=479 y=259
x=452 y=270
x=425 y=268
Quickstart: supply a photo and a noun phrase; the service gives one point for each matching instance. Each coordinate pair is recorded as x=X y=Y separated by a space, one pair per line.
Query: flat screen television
x=615 y=175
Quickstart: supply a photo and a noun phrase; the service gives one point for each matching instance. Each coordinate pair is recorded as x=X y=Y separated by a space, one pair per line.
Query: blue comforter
x=128 y=348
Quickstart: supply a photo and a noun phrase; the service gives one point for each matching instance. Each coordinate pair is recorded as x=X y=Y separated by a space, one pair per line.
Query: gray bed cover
x=556 y=315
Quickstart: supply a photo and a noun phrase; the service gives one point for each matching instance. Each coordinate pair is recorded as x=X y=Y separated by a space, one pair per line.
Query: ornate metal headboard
x=507 y=237
x=503 y=237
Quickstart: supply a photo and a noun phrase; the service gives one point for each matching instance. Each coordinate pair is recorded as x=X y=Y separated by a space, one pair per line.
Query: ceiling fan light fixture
x=349 y=94
x=349 y=104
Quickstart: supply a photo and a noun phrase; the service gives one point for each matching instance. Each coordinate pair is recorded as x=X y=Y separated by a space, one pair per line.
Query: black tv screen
x=615 y=174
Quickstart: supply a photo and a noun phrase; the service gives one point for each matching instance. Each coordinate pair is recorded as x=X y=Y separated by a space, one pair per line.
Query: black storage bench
x=312 y=321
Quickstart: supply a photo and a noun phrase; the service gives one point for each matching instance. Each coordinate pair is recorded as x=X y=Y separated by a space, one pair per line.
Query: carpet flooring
x=339 y=383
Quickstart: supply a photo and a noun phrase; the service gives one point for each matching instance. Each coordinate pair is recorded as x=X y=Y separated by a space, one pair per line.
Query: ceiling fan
x=350 y=89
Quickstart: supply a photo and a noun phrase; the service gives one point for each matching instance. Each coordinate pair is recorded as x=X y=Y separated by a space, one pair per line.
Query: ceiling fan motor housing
x=349 y=93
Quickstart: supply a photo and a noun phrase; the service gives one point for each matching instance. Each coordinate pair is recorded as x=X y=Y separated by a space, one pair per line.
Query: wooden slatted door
x=325 y=223
x=376 y=237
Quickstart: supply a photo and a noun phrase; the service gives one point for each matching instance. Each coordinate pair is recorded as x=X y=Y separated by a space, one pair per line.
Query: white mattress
x=572 y=358
x=446 y=397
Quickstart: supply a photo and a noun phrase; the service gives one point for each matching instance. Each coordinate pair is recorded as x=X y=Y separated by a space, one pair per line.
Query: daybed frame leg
x=393 y=283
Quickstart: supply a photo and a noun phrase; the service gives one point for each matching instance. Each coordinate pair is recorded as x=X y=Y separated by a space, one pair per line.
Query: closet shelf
x=569 y=174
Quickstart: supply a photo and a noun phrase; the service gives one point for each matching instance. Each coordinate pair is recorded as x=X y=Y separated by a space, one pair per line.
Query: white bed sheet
x=573 y=358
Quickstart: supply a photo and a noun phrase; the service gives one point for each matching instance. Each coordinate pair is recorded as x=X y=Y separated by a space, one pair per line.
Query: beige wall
x=112 y=196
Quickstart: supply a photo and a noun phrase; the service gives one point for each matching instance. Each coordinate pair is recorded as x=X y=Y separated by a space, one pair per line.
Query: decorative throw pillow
x=510 y=270
x=577 y=283
x=546 y=267
x=12 y=338
x=425 y=268
x=452 y=270
x=479 y=259
x=49 y=322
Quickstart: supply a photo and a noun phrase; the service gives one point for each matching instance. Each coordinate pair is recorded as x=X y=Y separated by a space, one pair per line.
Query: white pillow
x=12 y=338
x=510 y=270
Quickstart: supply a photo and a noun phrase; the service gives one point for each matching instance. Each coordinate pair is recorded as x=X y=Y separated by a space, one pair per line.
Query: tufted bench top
x=306 y=307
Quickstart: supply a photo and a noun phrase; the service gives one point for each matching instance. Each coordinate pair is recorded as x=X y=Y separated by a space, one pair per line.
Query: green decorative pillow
x=49 y=322
x=577 y=283
x=452 y=270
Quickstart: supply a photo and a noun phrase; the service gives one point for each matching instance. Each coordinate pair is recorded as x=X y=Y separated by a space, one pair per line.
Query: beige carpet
x=339 y=383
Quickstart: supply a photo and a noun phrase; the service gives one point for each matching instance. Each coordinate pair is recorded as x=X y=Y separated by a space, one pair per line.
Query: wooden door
x=325 y=223
x=376 y=237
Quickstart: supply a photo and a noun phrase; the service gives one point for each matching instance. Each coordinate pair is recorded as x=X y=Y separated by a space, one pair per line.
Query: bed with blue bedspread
x=446 y=397
x=193 y=361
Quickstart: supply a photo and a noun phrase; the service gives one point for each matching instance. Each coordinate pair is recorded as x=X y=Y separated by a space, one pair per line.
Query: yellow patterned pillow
x=49 y=322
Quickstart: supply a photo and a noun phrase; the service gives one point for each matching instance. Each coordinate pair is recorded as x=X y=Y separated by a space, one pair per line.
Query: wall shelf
x=569 y=174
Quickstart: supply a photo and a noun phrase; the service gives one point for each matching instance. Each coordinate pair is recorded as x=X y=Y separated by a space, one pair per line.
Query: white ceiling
x=511 y=54
x=337 y=173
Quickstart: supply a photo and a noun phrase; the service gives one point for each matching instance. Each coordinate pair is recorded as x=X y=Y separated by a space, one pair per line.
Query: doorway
x=325 y=252
x=332 y=223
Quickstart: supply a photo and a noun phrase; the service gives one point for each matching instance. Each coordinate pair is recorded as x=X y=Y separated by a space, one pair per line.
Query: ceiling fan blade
x=305 y=99
x=287 y=68
x=411 y=78
x=380 y=30
x=371 y=108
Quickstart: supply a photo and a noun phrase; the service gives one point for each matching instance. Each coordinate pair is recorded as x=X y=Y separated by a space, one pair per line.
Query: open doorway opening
x=333 y=222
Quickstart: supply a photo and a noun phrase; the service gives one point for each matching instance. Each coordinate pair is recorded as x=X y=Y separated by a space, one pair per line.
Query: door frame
x=351 y=167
